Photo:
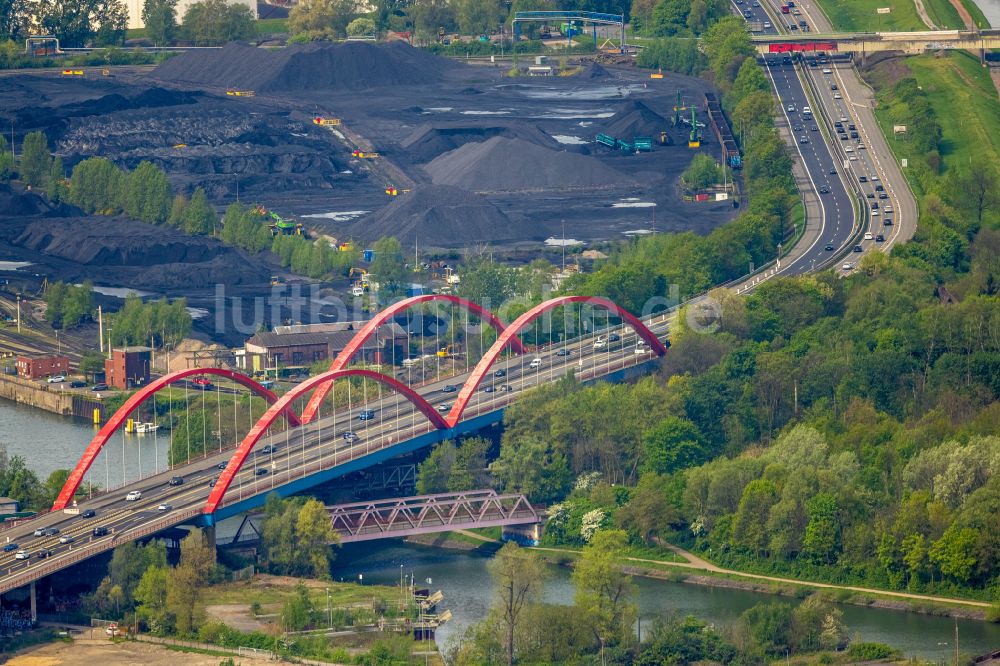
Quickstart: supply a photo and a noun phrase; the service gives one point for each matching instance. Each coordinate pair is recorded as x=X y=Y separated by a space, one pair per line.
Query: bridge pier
x=209 y=536
x=34 y=603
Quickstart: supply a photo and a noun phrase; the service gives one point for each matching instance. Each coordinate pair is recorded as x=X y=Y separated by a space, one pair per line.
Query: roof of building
x=8 y=500
x=334 y=340
x=133 y=349
x=332 y=327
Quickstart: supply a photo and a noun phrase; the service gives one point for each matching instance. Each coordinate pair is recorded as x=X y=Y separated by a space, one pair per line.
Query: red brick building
x=38 y=367
x=128 y=367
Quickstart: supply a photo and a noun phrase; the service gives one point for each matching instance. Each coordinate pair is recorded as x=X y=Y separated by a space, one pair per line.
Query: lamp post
x=329 y=610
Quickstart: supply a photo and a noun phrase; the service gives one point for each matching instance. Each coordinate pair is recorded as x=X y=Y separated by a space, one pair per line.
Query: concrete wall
x=135 y=10
x=32 y=393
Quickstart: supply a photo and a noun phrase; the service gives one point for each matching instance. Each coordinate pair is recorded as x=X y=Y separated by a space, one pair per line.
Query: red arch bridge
x=305 y=437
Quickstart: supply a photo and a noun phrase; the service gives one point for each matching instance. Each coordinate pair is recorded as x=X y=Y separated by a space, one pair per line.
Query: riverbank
x=33 y=394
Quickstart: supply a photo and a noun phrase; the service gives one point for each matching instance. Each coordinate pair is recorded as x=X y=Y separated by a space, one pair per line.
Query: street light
x=329 y=610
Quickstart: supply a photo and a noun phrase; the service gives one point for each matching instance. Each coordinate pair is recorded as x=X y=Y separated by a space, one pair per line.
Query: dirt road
x=86 y=652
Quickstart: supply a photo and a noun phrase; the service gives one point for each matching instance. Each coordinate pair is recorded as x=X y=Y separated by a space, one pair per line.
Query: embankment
x=64 y=403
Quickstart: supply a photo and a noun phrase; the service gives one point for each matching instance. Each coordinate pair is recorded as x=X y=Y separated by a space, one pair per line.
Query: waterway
x=991 y=10
x=468 y=592
x=49 y=442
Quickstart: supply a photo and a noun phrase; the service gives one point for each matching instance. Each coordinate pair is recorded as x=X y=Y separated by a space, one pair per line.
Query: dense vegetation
x=68 y=305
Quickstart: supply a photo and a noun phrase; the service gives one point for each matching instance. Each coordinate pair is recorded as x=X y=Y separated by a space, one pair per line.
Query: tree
x=322 y=16
x=954 y=553
x=518 y=576
x=701 y=173
x=822 y=540
x=296 y=537
x=186 y=580
x=147 y=195
x=77 y=22
x=648 y=513
x=199 y=216
x=387 y=267
x=151 y=598
x=673 y=444
x=476 y=17
x=296 y=615
x=214 y=22
x=96 y=186
x=7 y=168
x=35 y=159
x=603 y=591
x=315 y=538
x=361 y=27
x=769 y=626
x=160 y=18
x=56 y=184
x=749 y=524
x=15 y=19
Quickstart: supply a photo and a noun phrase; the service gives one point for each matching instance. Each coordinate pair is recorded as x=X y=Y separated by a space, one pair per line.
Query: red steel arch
x=365 y=332
x=271 y=415
x=493 y=353
x=119 y=417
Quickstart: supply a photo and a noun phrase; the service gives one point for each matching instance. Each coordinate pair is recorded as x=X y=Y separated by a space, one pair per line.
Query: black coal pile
x=15 y=203
x=635 y=118
x=441 y=216
x=594 y=71
x=313 y=67
x=430 y=140
x=134 y=254
x=501 y=164
x=147 y=98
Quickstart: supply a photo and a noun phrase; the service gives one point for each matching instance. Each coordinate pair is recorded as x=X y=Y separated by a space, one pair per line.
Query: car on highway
x=862 y=179
x=791 y=108
x=833 y=172
x=52 y=531
x=39 y=532
x=202 y=383
x=887 y=221
x=883 y=195
x=879 y=188
x=100 y=531
x=888 y=209
x=767 y=25
x=862 y=146
x=450 y=388
x=869 y=195
x=843 y=136
x=792 y=26
x=211 y=483
x=488 y=389
x=830 y=247
x=164 y=507
x=837 y=95
x=22 y=555
x=640 y=348
x=614 y=337
x=366 y=415
x=823 y=189
x=879 y=238
x=260 y=471
x=814 y=128
x=222 y=465
x=175 y=481
x=506 y=388
x=869 y=236
x=847 y=266
x=133 y=496
x=67 y=538
x=350 y=436
x=827 y=70
x=874 y=205
x=747 y=13
x=10 y=547
x=797 y=128
x=855 y=135
x=89 y=513
x=57 y=379
x=500 y=373
x=44 y=553
x=874 y=178
x=848 y=149
x=444 y=407
x=270 y=449
x=535 y=363
x=803 y=139
x=99 y=387
x=858 y=248
x=563 y=352
x=600 y=343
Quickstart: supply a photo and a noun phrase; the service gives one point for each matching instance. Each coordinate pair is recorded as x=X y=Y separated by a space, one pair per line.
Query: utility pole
x=100 y=327
x=19 y=313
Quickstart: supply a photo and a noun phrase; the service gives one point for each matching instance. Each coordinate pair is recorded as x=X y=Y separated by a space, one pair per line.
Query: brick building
x=38 y=367
x=128 y=367
x=301 y=346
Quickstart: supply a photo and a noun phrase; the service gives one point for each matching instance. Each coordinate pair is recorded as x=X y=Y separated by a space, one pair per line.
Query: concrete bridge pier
x=34 y=603
x=209 y=534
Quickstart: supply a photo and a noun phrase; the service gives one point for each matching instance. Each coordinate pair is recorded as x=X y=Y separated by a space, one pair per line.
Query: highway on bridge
x=301 y=452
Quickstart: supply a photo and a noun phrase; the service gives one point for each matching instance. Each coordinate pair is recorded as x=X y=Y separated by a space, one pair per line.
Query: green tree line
x=67 y=305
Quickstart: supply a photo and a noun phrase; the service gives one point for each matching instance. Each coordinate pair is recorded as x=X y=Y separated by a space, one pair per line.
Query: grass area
x=860 y=15
x=944 y=14
x=964 y=100
x=977 y=14
x=272 y=26
x=271 y=591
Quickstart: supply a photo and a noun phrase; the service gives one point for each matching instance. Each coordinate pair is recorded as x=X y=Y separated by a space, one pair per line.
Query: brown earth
x=87 y=652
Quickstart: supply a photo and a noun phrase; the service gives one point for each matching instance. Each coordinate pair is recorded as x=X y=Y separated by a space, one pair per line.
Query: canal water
x=468 y=592
x=991 y=10
x=49 y=442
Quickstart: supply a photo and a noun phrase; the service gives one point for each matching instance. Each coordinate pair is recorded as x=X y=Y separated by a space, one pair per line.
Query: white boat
x=142 y=427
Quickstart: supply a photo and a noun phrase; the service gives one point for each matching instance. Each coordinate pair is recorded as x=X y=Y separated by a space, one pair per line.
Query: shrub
x=870 y=651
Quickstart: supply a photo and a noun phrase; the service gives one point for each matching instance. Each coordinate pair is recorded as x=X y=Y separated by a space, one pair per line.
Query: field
x=860 y=15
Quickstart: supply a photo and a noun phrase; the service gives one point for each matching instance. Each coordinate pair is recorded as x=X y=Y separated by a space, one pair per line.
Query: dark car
x=862 y=179
x=851 y=127
x=887 y=221
x=488 y=389
x=260 y=471
x=830 y=247
x=366 y=415
x=211 y=484
x=222 y=465
x=351 y=436
x=270 y=448
x=175 y=481
x=43 y=553
x=883 y=195
x=614 y=337
x=506 y=387
x=824 y=189
x=52 y=531
x=879 y=188
x=500 y=373
x=76 y=383
x=100 y=531
x=563 y=352
x=879 y=238
x=89 y=513
x=10 y=547
x=870 y=195
x=450 y=388
x=833 y=172
x=854 y=134
x=857 y=248
x=99 y=387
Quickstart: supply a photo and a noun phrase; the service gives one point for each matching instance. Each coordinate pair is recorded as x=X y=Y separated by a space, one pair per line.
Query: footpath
x=692 y=561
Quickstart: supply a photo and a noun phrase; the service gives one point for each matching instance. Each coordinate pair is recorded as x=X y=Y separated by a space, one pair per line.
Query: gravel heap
x=501 y=164
x=441 y=216
x=636 y=118
x=310 y=67
x=431 y=139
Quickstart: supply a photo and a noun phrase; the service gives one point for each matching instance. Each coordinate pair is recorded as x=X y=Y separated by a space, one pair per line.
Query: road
x=299 y=452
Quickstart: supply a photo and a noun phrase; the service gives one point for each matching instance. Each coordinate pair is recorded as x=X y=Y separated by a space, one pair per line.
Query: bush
x=870 y=651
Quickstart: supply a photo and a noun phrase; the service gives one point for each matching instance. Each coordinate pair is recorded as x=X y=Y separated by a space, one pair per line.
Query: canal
x=467 y=588
x=49 y=442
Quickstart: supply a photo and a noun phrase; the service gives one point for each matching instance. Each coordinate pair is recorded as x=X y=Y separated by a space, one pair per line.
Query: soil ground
x=86 y=652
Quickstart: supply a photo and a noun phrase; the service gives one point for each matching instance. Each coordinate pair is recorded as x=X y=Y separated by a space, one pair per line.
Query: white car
x=848 y=149
x=837 y=95
x=767 y=25
x=873 y=177
x=806 y=109
x=22 y=555
x=600 y=343
x=875 y=212
x=66 y=538
x=791 y=108
x=58 y=379
x=861 y=146
x=164 y=507
x=869 y=236
x=641 y=349
x=535 y=363
x=827 y=70
x=133 y=496
x=847 y=267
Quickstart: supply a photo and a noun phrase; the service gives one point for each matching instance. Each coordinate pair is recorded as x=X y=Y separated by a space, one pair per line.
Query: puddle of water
x=574 y=116
x=13 y=265
x=347 y=171
x=585 y=123
x=197 y=313
x=634 y=204
x=603 y=92
x=570 y=140
x=559 y=242
x=338 y=216
x=121 y=292
x=297 y=134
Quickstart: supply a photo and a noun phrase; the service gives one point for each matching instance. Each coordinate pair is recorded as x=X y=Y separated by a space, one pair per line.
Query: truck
x=785 y=9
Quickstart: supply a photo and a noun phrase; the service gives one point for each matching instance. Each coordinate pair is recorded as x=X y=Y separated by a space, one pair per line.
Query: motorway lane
x=838 y=210
x=299 y=448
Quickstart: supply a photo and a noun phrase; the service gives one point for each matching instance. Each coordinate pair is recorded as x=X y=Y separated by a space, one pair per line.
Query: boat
x=142 y=427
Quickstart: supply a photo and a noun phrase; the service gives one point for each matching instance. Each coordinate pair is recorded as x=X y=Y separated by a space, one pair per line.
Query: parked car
x=99 y=387
x=76 y=383
x=57 y=379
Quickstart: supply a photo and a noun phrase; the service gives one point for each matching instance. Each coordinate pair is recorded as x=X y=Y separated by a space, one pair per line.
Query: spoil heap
x=501 y=164
x=311 y=67
x=636 y=119
x=441 y=216
x=430 y=140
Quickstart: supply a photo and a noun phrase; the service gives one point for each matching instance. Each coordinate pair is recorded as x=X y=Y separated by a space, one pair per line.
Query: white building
x=135 y=10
